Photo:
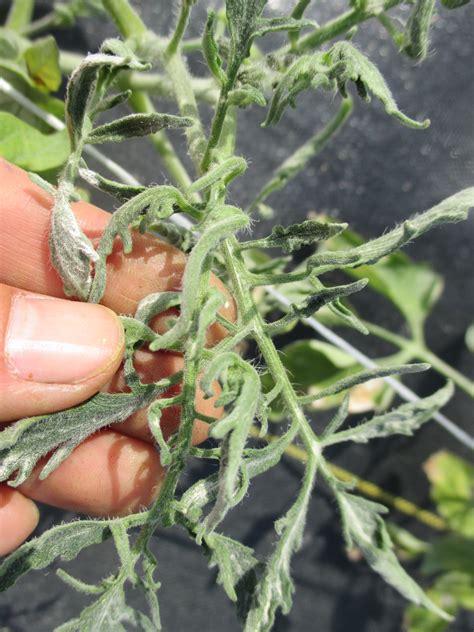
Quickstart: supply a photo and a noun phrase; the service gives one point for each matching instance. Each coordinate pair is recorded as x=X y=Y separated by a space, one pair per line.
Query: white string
x=405 y=393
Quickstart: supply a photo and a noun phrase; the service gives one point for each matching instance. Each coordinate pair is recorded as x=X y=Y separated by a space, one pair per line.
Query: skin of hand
x=56 y=353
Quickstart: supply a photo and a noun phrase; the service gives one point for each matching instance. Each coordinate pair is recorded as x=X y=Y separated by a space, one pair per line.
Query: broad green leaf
x=312 y=362
x=450 y=553
x=63 y=542
x=452 y=489
x=364 y=528
x=28 y=148
x=18 y=78
x=42 y=62
x=402 y=420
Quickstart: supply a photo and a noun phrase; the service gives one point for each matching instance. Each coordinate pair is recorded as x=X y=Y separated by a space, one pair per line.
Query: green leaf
x=342 y=63
x=450 y=553
x=25 y=442
x=413 y=288
x=136 y=125
x=210 y=49
x=279 y=24
x=469 y=338
x=72 y=252
x=295 y=236
x=63 y=542
x=237 y=568
x=312 y=362
x=417 y=29
x=19 y=79
x=242 y=16
x=454 y=4
x=452 y=490
x=364 y=528
x=108 y=613
x=28 y=148
x=275 y=587
x=402 y=420
x=86 y=88
x=451 y=592
x=452 y=209
x=42 y=62
x=240 y=393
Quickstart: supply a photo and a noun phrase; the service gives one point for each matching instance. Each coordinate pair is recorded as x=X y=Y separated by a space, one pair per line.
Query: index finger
x=25 y=210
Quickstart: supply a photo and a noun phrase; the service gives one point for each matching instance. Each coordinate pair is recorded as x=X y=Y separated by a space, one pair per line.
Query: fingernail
x=52 y=340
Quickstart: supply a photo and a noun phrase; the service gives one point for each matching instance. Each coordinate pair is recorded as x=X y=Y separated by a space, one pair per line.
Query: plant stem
x=141 y=102
x=389 y=336
x=180 y=27
x=445 y=369
x=417 y=349
x=338 y=26
x=365 y=487
x=20 y=14
x=295 y=163
x=249 y=312
x=178 y=74
x=127 y=20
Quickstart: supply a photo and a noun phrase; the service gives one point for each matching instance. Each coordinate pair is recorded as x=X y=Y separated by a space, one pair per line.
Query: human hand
x=56 y=353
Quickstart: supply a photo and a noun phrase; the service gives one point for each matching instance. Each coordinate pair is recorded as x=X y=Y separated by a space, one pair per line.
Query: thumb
x=54 y=353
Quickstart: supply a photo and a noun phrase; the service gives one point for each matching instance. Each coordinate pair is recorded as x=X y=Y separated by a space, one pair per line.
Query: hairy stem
x=339 y=26
x=180 y=27
x=127 y=20
x=141 y=102
x=20 y=14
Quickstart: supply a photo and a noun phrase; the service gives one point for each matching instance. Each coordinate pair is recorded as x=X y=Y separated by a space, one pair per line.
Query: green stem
x=46 y=23
x=389 y=336
x=339 y=26
x=250 y=314
x=141 y=102
x=180 y=27
x=178 y=74
x=445 y=369
x=127 y=20
x=295 y=163
x=416 y=349
x=216 y=127
x=20 y=14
